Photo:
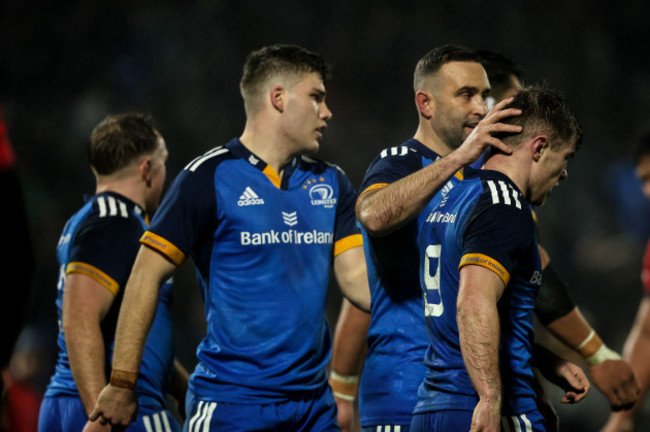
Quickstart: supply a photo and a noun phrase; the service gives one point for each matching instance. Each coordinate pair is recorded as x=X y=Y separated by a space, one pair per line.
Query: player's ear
x=278 y=97
x=145 y=170
x=539 y=145
x=425 y=103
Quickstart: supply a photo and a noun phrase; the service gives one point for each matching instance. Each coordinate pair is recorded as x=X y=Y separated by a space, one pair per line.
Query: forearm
x=138 y=309
x=637 y=346
x=349 y=344
x=572 y=329
x=136 y=317
x=86 y=352
x=637 y=352
x=384 y=210
x=348 y=350
x=478 y=327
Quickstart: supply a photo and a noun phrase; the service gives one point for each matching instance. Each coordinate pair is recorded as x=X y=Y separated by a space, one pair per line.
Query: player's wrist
x=458 y=159
x=603 y=354
x=123 y=379
x=594 y=350
x=344 y=386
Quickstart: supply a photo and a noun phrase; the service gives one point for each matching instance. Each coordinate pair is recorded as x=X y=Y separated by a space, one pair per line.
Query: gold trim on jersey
x=347 y=243
x=370 y=188
x=163 y=246
x=488 y=263
x=95 y=274
x=273 y=176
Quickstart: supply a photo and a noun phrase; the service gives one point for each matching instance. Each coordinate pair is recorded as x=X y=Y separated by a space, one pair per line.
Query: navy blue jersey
x=262 y=246
x=482 y=221
x=101 y=241
x=393 y=368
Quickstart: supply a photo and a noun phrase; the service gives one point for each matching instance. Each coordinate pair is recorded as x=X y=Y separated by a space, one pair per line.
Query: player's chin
x=539 y=201
x=312 y=147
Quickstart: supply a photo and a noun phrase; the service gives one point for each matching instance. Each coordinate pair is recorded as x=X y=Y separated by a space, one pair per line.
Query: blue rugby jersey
x=485 y=221
x=101 y=241
x=397 y=341
x=262 y=246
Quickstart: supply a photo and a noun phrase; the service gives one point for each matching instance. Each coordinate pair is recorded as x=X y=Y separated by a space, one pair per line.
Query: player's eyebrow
x=471 y=89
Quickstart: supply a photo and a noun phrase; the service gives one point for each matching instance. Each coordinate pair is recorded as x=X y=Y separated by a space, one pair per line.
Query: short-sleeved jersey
x=645 y=272
x=101 y=241
x=393 y=368
x=482 y=221
x=262 y=246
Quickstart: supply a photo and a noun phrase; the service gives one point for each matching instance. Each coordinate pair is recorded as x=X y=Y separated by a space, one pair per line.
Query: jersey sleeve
x=104 y=249
x=645 y=272
x=186 y=214
x=346 y=231
x=389 y=166
x=496 y=236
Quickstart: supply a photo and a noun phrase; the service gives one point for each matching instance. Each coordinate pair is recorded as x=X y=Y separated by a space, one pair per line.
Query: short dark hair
x=543 y=110
x=641 y=148
x=499 y=68
x=437 y=57
x=279 y=59
x=120 y=139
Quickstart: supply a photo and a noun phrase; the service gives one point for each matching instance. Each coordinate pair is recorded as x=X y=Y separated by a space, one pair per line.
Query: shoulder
x=198 y=176
x=110 y=209
x=208 y=161
x=401 y=154
x=398 y=161
x=110 y=218
x=319 y=166
x=494 y=200
x=498 y=193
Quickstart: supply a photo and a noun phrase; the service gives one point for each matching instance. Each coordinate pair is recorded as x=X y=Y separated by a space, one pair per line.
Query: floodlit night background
x=63 y=67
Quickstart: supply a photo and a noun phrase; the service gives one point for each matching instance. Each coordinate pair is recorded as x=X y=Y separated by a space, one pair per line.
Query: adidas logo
x=249 y=197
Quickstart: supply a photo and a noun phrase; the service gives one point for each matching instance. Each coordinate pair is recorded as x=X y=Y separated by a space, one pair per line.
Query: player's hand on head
x=483 y=134
x=616 y=380
x=115 y=406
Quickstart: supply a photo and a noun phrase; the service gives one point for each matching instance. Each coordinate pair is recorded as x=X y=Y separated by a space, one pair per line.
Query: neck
x=266 y=142
x=130 y=187
x=427 y=136
x=514 y=166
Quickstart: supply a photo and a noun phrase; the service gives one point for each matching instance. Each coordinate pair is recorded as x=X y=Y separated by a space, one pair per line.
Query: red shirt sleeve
x=7 y=158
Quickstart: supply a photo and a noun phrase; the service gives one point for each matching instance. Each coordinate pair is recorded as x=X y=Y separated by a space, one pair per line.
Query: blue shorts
x=386 y=428
x=67 y=414
x=316 y=413
x=454 y=421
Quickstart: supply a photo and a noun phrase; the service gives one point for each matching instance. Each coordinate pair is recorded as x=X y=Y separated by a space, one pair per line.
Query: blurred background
x=66 y=65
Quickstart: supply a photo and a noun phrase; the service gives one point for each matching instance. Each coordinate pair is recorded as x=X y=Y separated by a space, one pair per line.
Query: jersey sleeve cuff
x=348 y=242
x=371 y=188
x=488 y=263
x=161 y=245
x=95 y=274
